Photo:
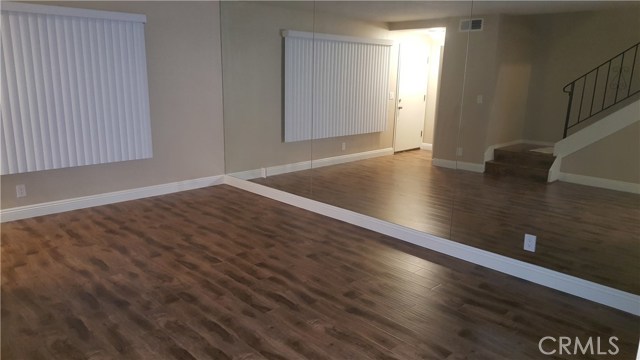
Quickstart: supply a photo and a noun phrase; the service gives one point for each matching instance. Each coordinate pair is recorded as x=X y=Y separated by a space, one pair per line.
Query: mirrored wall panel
x=253 y=79
x=508 y=126
x=379 y=80
x=550 y=115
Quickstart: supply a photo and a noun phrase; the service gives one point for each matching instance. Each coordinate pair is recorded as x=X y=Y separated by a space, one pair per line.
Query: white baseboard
x=250 y=174
x=601 y=294
x=53 y=207
x=305 y=165
x=459 y=165
x=352 y=157
x=426 y=146
x=600 y=182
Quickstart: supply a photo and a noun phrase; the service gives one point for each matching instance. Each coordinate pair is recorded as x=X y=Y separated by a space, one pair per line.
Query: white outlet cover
x=530 y=242
x=21 y=191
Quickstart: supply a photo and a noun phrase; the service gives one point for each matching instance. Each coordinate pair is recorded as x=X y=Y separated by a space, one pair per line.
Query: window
x=74 y=88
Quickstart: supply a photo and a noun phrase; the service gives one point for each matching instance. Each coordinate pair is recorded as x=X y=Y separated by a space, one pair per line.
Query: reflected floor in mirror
x=588 y=232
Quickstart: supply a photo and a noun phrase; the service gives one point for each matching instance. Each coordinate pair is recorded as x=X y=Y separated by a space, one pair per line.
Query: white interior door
x=412 y=90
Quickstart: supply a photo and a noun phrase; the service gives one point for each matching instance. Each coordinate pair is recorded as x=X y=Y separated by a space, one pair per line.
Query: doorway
x=419 y=63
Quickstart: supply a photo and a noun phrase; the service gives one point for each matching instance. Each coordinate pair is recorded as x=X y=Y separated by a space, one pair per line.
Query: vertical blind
x=74 y=88
x=334 y=85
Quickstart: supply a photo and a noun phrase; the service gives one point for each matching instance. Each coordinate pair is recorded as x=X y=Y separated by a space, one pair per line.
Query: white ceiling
x=398 y=11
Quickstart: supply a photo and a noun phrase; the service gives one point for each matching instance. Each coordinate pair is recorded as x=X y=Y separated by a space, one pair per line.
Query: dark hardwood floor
x=219 y=273
x=588 y=232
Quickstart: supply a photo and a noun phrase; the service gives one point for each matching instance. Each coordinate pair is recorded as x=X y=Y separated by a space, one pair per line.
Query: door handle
x=399 y=107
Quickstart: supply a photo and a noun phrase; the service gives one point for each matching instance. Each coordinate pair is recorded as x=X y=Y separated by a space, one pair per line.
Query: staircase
x=521 y=161
x=605 y=86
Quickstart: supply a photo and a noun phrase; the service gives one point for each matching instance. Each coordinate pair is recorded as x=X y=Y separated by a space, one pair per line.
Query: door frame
x=396 y=112
x=440 y=62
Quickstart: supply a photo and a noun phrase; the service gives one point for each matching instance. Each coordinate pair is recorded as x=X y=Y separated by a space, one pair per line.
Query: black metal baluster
x=606 y=85
x=593 y=96
x=566 y=123
x=633 y=67
x=584 y=79
x=584 y=85
x=615 y=99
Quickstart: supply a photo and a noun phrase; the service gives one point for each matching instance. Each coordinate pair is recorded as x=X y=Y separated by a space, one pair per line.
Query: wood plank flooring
x=219 y=273
x=587 y=232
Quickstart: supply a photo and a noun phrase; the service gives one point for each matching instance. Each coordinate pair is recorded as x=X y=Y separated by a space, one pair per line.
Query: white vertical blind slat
x=334 y=87
x=145 y=123
x=65 y=89
x=33 y=88
x=44 y=103
x=7 y=126
x=74 y=92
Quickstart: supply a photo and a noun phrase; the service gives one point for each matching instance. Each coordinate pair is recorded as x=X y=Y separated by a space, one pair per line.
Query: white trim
x=426 y=146
x=600 y=182
x=332 y=37
x=69 y=11
x=287 y=168
x=602 y=128
x=449 y=164
x=352 y=157
x=566 y=283
x=250 y=174
x=458 y=165
x=309 y=164
x=554 y=170
x=53 y=207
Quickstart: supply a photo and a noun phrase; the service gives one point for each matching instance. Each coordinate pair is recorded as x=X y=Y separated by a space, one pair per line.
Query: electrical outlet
x=459 y=151
x=21 y=190
x=479 y=99
x=344 y=146
x=530 y=242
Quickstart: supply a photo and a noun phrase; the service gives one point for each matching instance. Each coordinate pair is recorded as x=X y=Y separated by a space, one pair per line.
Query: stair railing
x=601 y=88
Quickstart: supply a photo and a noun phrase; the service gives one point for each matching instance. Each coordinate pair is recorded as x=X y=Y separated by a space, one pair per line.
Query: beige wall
x=435 y=64
x=616 y=157
x=480 y=80
x=566 y=47
x=185 y=95
x=252 y=58
x=507 y=112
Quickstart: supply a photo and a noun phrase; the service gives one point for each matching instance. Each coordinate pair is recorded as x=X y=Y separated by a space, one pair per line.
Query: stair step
x=498 y=168
x=524 y=158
